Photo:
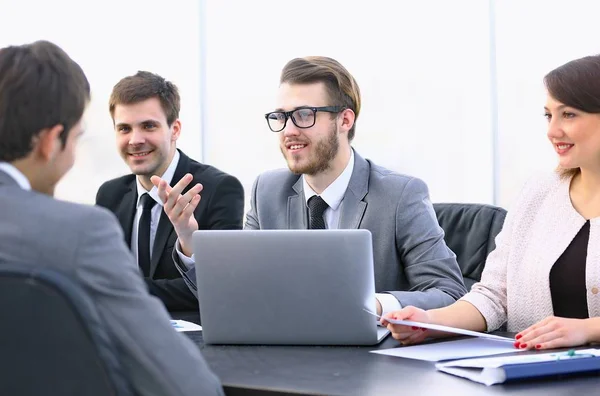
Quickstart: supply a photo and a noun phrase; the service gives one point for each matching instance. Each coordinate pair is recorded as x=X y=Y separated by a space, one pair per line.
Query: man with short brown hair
x=145 y=112
x=43 y=95
x=329 y=185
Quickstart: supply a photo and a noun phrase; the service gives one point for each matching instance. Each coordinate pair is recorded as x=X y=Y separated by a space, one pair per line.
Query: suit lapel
x=296 y=208
x=126 y=211
x=353 y=206
x=165 y=228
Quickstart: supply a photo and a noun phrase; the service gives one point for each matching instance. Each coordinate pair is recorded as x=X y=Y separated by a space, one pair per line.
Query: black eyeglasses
x=302 y=117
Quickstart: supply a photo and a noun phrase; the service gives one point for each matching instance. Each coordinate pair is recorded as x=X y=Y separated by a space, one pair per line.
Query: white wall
x=423 y=68
x=111 y=39
x=534 y=37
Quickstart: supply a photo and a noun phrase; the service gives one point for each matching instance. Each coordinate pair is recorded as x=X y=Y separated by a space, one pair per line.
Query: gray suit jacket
x=412 y=261
x=86 y=244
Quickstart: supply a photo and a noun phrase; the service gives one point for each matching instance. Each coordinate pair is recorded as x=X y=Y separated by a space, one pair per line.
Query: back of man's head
x=143 y=86
x=40 y=87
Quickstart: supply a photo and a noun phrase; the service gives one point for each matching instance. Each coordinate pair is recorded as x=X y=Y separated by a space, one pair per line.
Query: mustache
x=138 y=149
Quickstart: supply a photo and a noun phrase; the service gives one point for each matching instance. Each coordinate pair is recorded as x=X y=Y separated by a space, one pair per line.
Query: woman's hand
x=554 y=332
x=407 y=334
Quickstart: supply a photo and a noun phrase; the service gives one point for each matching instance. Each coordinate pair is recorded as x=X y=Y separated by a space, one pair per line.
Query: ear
x=176 y=130
x=347 y=118
x=48 y=142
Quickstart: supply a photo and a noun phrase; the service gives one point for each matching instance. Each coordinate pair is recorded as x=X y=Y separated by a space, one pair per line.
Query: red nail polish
x=523 y=346
x=518 y=336
x=538 y=346
x=517 y=344
x=415 y=328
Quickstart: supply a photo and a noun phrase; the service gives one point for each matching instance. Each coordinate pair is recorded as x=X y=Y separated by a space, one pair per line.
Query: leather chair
x=470 y=232
x=52 y=340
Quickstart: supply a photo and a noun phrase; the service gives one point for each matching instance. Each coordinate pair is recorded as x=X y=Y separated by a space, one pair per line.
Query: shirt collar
x=334 y=193
x=16 y=174
x=167 y=176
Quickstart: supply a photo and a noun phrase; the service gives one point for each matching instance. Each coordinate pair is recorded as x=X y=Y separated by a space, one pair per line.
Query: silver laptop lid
x=286 y=287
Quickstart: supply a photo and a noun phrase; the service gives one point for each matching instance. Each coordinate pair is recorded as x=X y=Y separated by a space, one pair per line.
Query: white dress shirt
x=156 y=209
x=333 y=195
x=16 y=174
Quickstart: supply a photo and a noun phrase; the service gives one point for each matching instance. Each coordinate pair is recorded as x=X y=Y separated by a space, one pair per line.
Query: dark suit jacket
x=221 y=208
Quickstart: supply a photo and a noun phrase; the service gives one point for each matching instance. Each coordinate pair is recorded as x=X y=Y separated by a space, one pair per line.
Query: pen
x=572 y=354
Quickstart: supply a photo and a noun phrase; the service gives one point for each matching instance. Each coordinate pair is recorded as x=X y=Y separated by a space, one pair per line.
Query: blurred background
x=452 y=90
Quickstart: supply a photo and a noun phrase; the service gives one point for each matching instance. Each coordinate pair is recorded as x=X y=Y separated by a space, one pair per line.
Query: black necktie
x=316 y=208
x=144 y=234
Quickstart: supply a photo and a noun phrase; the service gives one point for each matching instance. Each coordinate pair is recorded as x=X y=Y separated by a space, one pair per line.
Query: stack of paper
x=490 y=371
x=182 y=325
x=493 y=370
x=453 y=349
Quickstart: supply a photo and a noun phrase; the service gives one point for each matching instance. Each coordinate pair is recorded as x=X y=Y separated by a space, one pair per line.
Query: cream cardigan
x=515 y=284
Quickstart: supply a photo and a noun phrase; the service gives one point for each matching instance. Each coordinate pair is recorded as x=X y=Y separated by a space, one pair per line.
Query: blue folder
x=497 y=370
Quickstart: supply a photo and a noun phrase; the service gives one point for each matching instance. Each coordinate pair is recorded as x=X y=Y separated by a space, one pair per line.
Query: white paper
x=446 y=329
x=182 y=325
x=456 y=349
x=486 y=376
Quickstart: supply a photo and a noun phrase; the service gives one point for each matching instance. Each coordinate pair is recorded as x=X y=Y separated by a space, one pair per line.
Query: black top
x=567 y=278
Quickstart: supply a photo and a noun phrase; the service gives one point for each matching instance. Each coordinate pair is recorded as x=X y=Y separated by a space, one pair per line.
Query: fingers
x=416 y=337
x=189 y=209
x=182 y=203
x=552 y=344
x=174 y=194
x=405 y=313
x=541 y=333
x=162 y=186
x=407 y=334
x=534 y=327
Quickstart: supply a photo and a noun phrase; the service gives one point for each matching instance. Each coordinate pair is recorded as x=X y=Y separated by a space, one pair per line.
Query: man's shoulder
x=204 y=172
x=277 y=178
x=380 y=176
x=117 y=183
x=65 y=216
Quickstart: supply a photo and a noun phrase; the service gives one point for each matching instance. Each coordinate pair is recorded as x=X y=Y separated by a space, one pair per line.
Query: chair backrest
x=470 y=232
x=52 y=340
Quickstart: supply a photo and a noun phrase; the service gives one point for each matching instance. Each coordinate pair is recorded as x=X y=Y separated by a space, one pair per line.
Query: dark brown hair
x=341 y=87
x=145 y=85
x=576 y=84
x=40 y=87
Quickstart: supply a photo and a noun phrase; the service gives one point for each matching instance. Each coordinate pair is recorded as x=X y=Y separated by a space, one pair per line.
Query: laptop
x=286 y=287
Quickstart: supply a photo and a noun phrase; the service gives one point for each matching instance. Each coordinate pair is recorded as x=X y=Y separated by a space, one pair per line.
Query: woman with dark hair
x=543 y=279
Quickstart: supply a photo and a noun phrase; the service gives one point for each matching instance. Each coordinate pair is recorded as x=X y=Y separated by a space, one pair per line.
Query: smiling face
x=311 y=150
x=144 y=139
x=574 y=134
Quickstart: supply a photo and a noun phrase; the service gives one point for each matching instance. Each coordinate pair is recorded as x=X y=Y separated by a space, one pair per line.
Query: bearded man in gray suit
x=329 y=185
x=43 y=94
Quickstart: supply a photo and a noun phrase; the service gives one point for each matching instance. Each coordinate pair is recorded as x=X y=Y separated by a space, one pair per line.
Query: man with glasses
x=329 y=185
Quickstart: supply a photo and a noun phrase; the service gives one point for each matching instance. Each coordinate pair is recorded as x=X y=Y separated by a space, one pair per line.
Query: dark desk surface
x=253 y=370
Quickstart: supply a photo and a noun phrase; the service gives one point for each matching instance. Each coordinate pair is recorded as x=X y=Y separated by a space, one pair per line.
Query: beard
x=319 y=160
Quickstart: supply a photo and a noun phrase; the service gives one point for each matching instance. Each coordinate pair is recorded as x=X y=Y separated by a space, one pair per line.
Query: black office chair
x=470 y=232
x=52 y=340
